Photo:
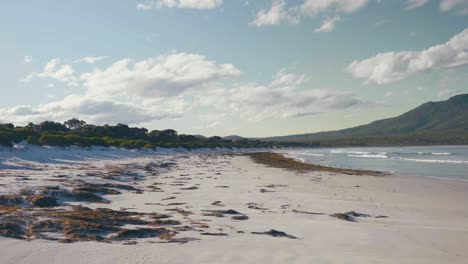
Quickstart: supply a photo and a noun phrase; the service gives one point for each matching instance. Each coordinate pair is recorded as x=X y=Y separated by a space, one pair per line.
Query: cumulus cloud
x=166 y=75
x=275 y=15
x=192 y=4
x=56 y=70
x=392 y=66
x=281 y=98
x=97 y=111
x=91 y=60
x=279 y=12
x=328 y=25
x=170 y=85
x=126 y=91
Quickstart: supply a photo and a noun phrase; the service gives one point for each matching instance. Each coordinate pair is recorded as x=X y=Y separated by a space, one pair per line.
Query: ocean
x=446 y=162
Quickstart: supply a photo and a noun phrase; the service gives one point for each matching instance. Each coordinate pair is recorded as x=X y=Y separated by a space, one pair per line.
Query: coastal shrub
x=20 y=134
x=96 y=141
x=53 y=140
x=33 y=140
x=52 y=126
x=80 y=144
x=133 y=144
x=150 y=146
x=113 y=142
x=6 y=139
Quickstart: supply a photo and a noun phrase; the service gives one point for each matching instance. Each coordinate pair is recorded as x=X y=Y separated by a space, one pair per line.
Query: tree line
x=75 y=132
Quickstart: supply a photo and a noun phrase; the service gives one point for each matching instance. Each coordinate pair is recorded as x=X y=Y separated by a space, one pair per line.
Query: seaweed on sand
x=279 y=161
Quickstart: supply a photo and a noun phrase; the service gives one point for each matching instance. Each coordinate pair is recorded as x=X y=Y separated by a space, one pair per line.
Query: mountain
x=432 y=118
x=233 y=137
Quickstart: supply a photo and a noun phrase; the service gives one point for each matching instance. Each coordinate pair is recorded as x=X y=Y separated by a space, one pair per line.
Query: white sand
x=428 y=219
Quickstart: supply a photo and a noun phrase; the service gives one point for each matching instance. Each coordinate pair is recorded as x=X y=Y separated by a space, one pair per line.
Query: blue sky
x=254 y=68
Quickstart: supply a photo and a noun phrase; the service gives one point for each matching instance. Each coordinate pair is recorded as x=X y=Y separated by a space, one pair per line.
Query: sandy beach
x=227 y=201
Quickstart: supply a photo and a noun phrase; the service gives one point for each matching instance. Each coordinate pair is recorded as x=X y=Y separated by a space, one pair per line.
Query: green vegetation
x=75 y=132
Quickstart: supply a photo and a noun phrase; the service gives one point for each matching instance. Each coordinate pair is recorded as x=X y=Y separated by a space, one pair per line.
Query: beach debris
x=344 y=216
x=351 y=216
x=129 y=243
x=43 y=201
x=96 y=190
x=180 y=211
x=143 y=233
x=11 y=200
x=275 y=233
x=356 y=214
x=240 y=217
x=273 y=186
x=163 y=222
x=217 y=203
x=279 y=161
x=381 y=216
x=213 y=234
x=256 y=207
x=12 y=230
x=305 y=212
x=190 y=188
x=181 y=240
x=175 y=204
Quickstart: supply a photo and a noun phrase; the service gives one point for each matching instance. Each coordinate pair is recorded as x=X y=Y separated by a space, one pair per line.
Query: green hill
x=446 y=119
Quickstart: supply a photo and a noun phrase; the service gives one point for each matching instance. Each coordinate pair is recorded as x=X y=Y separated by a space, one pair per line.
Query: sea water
x=447 y=162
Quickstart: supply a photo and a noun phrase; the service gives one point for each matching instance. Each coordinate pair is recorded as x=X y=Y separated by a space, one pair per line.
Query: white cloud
x=392 y=66
x=166 y=75
x=192 y=4
x=27 y=60
x=273 y=16
x=91 y=60
x=412 y=4
x=97 y=111
x=314 y=7
x=459 y=6
x=449 y=5
x=328 y=25
x=126 y=91
x=54 y=69
x=170 y=85
x=281 y=98
x=279 y=12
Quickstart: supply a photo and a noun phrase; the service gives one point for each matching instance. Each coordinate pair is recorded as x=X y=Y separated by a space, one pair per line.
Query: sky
x=223 y=67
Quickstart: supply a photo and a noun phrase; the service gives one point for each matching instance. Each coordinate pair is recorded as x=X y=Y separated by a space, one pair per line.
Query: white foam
x=437 y=161
x=375 y=156
x=311 y=154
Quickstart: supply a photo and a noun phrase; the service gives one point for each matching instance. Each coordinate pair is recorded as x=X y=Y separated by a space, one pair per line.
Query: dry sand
x=427 y=219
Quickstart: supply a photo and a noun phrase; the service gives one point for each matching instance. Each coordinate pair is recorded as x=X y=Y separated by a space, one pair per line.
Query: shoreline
x=278 y=160
x=353 y=171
